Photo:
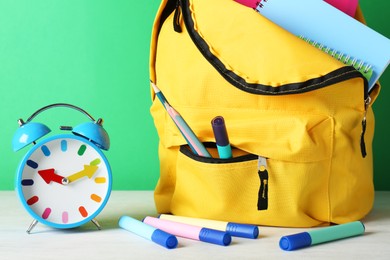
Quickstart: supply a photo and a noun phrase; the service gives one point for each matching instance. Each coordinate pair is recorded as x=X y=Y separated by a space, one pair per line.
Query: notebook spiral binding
x=363 y=67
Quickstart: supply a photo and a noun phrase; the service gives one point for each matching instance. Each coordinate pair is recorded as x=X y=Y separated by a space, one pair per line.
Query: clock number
x=96 y=198
x=65 y=217
x=95 y=162
x=46 y=213
x=83 y=211
x=32 y=200
x=32 y=164
x=100 y=180
x=45 y=150
x=64 y=145
x=27 y=182
x=82 y=149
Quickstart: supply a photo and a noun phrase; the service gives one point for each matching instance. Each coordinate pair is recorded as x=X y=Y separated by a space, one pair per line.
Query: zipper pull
x=262 y=202
x=364 y=125
x=176 y=18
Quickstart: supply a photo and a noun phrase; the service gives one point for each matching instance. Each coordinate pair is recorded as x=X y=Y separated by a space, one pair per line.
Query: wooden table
x=112 y=242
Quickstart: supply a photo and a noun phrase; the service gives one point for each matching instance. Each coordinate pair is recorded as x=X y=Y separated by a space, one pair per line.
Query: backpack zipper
x=262 y=201
x=177 y=18
x=367 y=102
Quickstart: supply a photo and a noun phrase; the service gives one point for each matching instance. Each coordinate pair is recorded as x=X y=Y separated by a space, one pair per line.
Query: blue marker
x=321 y=235
x=190 y=231
x=221 y=137
x=234 y=229
x=146 y=231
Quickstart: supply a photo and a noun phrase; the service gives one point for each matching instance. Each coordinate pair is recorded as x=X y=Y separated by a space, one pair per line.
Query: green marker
x=321 y=235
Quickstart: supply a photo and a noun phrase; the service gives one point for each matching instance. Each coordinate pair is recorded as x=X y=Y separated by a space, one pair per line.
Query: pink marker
x=189 y=231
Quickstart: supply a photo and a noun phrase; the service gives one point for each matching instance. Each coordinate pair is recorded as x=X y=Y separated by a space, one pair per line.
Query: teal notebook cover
x=322 y=23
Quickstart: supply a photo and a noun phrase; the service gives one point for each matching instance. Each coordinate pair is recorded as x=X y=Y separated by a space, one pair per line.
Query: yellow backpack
x=300 y=122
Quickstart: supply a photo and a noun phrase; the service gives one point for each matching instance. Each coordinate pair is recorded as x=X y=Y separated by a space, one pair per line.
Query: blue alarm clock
x=64 y=180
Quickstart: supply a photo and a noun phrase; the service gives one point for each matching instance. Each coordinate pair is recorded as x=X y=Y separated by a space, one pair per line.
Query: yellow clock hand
x=88 y=171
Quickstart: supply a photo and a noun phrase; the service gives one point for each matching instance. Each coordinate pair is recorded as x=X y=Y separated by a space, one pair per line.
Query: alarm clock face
x=64 y=181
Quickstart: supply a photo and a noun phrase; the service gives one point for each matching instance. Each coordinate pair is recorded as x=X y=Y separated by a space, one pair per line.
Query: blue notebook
x=322 y=23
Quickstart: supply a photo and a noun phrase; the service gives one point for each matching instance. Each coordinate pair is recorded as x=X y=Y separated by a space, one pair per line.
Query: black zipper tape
x=333 y=77
x=185 y=149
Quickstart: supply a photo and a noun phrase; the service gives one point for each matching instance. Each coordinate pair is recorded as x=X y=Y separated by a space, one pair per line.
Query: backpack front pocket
x=295 y=188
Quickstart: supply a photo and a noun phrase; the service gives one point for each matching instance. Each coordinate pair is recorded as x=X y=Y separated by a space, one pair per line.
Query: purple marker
x=221 y=137
x=189 y=231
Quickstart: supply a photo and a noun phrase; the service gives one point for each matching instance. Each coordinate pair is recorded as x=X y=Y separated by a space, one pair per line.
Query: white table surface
x=112 y=242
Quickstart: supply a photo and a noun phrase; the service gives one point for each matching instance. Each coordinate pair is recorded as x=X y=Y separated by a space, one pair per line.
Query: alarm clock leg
x=94 y=221
x=32 y=225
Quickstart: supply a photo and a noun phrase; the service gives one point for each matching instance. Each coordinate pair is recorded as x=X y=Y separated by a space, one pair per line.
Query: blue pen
x=221 y=137
x=321 y=235
x=146 y=231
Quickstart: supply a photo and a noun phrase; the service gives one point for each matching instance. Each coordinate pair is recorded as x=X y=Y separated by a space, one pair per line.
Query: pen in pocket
x=221 y=137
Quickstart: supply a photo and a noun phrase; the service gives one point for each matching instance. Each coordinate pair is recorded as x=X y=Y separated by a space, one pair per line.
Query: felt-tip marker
x=190 y=231
x=321 y=235
x=221 y=137
x=234 y=229
x=146 y=231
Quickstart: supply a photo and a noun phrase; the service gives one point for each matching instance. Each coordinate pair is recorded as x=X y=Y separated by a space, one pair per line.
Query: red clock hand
x=49 y=175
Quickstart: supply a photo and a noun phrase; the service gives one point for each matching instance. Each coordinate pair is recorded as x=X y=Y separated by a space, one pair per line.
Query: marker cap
x=242 y=230
x=295 y=241
x=220 y=132
x=165 y=239
x=215 y=236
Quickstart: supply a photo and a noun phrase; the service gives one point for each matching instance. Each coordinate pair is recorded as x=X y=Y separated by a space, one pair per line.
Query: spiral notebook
x=323 y=24
x=363 y=67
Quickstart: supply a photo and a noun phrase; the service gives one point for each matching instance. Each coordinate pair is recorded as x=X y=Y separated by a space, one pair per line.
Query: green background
x=95 y=54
